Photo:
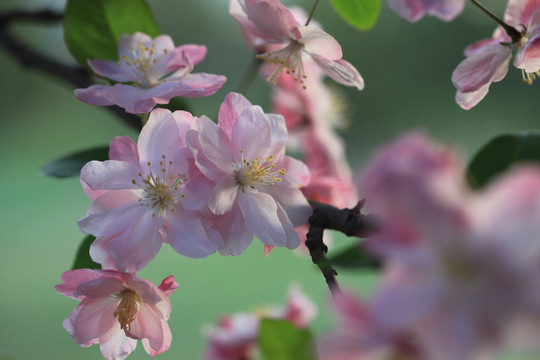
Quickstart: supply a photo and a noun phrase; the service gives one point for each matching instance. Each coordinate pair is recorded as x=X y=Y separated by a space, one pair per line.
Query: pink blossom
x=488 y=60
x=116 y=309
x=414 y=10
x=236 y=336
x=256 y=189
x=268 y=24
x=149 y=72
x=143 y=197
x=360 y=336
x=454 y=258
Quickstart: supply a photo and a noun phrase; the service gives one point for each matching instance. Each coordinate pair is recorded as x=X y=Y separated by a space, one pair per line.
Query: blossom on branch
x=273 y=31
x=256 y=187
x=142 y=197
x=414 y=10
x=149 y=72
x=116 y=309
x=452 y=257
x=488 y=60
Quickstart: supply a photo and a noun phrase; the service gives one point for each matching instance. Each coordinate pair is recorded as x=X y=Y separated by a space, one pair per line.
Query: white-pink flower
x=116 y=309
x=143 y=197
x=461 y=268
x=149 y=72
x=256 y=189
x=235 y=337
x=271 y=28
x=488 y=60
x=414 y=10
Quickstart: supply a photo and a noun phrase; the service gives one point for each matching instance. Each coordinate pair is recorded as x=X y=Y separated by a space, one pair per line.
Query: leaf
x=92 y=27
x=71 y=165
x=361 y=14
x=281 y=340
x=354 y=257
x=83 y=259
x=500 y=154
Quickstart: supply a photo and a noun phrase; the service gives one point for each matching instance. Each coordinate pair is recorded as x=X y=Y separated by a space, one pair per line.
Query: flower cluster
x=488 y=60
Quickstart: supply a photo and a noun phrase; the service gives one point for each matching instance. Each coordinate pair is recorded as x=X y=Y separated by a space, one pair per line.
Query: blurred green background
x=406 y=67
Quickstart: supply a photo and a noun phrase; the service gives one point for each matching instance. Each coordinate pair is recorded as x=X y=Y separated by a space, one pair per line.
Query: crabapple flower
x=488 y=60
x=271 y=28
x=116 y=309
x=142 y=197
x=256 y=189
x=454 y=258
x=149 y=72
x=414 y=10
x=236 y=336
x=359 y=336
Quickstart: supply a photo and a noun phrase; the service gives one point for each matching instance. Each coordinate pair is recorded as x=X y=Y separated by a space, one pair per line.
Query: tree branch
x=351 y=222
x=77 y=76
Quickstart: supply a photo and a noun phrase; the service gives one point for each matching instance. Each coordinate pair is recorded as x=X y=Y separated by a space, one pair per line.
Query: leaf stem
x=313 y=9
x=510 y=30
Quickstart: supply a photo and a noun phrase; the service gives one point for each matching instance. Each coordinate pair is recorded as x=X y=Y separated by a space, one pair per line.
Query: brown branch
x=77 y=76
x=351 y=222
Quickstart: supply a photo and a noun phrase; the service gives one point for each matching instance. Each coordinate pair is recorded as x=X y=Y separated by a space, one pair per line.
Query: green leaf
x=281 y=340
x=354 y=257
x=83 y=259
x=500 y=154
x=71 y=165
x=92 y=27
x=361 y=14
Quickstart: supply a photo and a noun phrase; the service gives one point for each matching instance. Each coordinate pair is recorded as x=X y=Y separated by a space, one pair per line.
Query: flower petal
x=109 y=69
x=273 y=19
x=94 y=95
x=94 y=319
x=319 y=43
x=261 y=217
x=124 y=148
x=223 y=195
x=341 y=72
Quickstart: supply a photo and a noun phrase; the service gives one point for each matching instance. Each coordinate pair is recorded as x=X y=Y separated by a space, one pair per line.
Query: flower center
x=290 y=58
x=255 y=173
x=126 y=311
x=142 y=62
x=161 y=190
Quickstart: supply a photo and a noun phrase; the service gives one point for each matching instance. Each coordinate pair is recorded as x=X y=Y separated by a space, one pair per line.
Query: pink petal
x=94 y=319
x=292 y=240
x=159 y=141
x=481 y=68
x=147 y=324
x=101 y=287
x=124 y=148
x=126 y=42
x=251 y=125
x=129 y=98
x=223 y=195
x=109 y=69
x=72 y=279
x=167 y=339
x=107 y=223
x=236 y=236
x=192 y=236
x=319 y=43
x=229 y=111
x=99 y=252
x=470 y=99
x=261 y=217
x=273 y=19
x=341 y=72
x=197 y=85
x=196 y=53
x=519 y=11
x=115 y=345
x=528 y=57
x=94 y=95
x=215 y=144
x=110 y=175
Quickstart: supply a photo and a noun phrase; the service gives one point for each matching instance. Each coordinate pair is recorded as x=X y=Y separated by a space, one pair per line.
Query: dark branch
x=77 y=76
x=349 y=221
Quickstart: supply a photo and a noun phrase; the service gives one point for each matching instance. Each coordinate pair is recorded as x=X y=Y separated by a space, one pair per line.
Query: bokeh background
x=406 y=67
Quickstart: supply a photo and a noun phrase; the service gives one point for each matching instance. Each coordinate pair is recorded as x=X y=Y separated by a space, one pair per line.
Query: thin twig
x=510 y=30
x=351 y=222
x=312 y=12
x=78 y=76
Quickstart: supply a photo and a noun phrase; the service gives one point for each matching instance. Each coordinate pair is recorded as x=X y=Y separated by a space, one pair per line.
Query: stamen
x=127 y=309
x=529 y=77
x=290 y=58
x=254 y=173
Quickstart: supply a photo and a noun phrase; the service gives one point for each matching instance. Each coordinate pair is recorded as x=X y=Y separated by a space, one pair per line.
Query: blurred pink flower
x=142 y=197
x=269 y=25
x=488 y=60
x=414 y=10
x=116 y=310
x=149 y=72
x=359 y=336
x=256 y=189
x=454 y=258
x=236 y=336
